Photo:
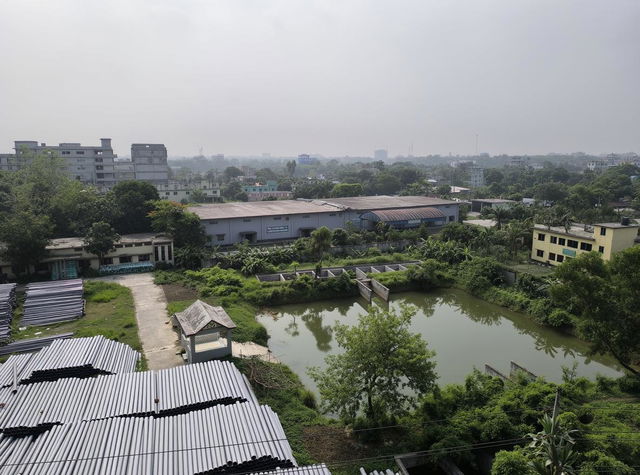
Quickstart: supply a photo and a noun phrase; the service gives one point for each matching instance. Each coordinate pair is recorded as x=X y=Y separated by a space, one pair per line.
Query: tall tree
x=346 y=189
x=101 y=239
x=320 y=241
x=381 y=359
x=25 y=236
x=291 y=167
x=134 y=201
x=606 y=298
x=183 y=226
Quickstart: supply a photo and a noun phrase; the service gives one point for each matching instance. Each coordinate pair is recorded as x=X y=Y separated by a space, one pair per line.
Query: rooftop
x=407 y=214
x=632 y=224
x=259 y=208
x=385 y=202
x=199 y=315
x=577 y=230
x=493 y=200
x=70 y=242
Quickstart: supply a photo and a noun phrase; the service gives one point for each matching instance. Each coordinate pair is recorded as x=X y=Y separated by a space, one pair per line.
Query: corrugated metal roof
x=407 y=214
x=364 y=203
x=260 y=208
x=200 y=314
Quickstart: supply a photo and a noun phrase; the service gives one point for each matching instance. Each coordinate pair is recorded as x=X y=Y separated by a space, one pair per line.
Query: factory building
x=268 y=221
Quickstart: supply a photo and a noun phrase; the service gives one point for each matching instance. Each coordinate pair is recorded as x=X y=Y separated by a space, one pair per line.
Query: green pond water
x=464 y=332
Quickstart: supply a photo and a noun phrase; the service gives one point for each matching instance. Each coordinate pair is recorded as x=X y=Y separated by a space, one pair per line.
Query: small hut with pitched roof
x=205 y=331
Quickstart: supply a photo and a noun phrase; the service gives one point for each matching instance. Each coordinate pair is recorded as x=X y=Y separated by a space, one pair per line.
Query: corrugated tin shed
x=407 y=214
x=200 y=315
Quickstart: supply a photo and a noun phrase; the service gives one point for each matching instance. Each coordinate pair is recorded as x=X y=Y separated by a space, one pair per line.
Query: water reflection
x=464 y=331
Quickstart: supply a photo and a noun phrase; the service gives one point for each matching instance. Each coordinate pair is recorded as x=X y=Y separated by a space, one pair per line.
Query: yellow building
x=553 y=245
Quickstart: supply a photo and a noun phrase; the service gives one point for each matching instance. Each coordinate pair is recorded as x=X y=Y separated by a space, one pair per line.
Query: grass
x=109 y=312
x=533 y=269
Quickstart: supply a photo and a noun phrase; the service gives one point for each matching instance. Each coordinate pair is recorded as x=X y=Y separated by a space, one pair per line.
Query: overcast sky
x=335 y=77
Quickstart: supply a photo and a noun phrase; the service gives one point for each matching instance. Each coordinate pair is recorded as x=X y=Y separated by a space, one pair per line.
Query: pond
x=464 y=332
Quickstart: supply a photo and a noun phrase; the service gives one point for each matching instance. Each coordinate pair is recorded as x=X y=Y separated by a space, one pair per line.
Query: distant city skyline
x=333 y=78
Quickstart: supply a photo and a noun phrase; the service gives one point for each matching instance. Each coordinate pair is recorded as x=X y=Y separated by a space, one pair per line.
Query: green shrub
x=479 y=274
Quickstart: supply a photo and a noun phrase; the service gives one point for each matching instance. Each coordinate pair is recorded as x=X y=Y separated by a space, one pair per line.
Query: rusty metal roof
x=407 y=214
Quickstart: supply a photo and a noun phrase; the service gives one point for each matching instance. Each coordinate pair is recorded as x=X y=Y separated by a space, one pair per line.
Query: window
x=79 y=152
x=572 y=243
x=553 y=239
x=220 y=237
x=559 y=258
x=332 y=214
x=213 y=222
x=552 y=256
x=144 y=258
x=167 y=193
x=98 y=160
x=305 y=216
x=561 y=241
x=601 y=249
x=246 y=220
x=451 y=218
x=175 y=193
x=277 y=218
x=539 y=253
x=125 y=259
x=541 y=237
x=170 y=253
x=100 y=175
x=585 y=246
x=603 y=231
x=99 y=167
x=66 y=152
x=107 y=261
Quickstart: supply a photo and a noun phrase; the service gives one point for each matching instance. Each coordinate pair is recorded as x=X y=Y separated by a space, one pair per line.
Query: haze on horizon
x=333 y=78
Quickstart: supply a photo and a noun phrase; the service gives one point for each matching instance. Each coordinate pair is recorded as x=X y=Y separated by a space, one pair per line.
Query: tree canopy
x=101 y=239
x=382 y=359
x=606 y=298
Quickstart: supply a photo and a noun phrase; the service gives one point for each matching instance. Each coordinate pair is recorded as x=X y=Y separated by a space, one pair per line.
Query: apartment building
x=181 y=191
x=89 y=164
x=553 y=245
x=150 y=162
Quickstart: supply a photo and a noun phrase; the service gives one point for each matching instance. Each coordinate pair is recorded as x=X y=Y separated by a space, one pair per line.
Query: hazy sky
x=335 y=77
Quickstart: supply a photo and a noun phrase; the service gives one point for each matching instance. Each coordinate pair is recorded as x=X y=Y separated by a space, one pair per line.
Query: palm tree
x=500 y=215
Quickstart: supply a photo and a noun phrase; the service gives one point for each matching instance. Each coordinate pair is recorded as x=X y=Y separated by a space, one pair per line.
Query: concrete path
x=249 y=349
x=159 y=340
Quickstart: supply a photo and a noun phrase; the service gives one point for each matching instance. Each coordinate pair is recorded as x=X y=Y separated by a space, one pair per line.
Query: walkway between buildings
x=159 y=340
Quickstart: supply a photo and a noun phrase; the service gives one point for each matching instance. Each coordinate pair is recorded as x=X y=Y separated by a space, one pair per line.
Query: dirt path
x=159 y=340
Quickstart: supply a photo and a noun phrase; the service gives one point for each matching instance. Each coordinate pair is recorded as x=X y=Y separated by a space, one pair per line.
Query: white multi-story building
x=88 y=164
x=181 y=191
x=150 y=162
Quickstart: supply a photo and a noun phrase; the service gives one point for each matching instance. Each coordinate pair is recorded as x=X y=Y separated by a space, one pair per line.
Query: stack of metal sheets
x=7 y=304
x=29 y=409
x=53 y=302
x=81 y=358
x=238 y=438
x=33 y=344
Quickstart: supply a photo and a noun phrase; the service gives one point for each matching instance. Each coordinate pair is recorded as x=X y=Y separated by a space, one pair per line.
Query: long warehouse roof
x=326 y=205
x=259 y=208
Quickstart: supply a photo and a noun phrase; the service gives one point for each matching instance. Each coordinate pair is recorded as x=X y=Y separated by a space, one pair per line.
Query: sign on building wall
x=569 y=252
x=278 y=229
